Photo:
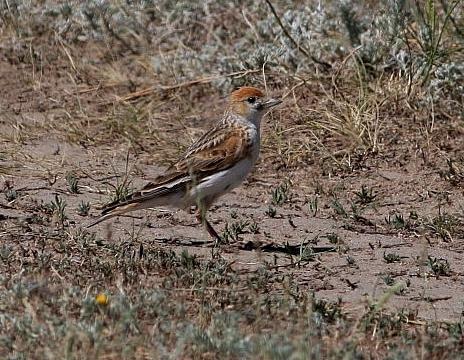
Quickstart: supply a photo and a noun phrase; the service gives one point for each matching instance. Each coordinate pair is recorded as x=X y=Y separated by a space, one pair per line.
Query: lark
x=215 y=164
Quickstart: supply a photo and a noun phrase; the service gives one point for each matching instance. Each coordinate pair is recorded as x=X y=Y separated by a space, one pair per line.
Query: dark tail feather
x=113 y=210
x=100 y=219
x=111 y=206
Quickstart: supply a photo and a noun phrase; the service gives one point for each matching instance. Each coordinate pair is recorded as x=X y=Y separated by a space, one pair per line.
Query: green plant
x=83 y=208
x=73 y=183
x=388 y=279
x=271 y=212
x=281 y=194
x=10 y=194
x=306 y=252
x=58 y=207
x=431 y=33
x=443 y=225
x=391 y=257
x=253 y=227
x=338 y=207
x=121 y=190
x=233 y=230
x=333 y=238
x=329 y=310
x=351 y=261
x=365 y=196
x=399 y=222
x=313 y=205
x=440 y=267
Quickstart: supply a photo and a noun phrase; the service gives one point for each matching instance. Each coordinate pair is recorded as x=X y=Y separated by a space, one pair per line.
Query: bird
x=216 y=163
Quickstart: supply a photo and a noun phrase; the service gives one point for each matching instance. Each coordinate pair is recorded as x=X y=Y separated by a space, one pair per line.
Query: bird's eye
x=251 y=99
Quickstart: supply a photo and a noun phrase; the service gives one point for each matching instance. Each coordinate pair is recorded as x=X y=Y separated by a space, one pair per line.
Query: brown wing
x=221 y=151
x=218 y=151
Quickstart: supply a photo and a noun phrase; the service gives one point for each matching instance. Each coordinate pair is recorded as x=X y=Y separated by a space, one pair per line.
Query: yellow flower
x=102 y=299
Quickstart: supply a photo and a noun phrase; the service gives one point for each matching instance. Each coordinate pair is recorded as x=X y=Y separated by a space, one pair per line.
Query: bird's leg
x=217 y=239
x=202 y=219
x=202 y=207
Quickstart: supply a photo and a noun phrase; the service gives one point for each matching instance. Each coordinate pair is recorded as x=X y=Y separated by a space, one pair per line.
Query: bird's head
x=251 y=104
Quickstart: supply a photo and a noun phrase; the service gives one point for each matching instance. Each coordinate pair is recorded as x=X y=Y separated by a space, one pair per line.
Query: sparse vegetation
x=73 y=183
x=97 y=94
x=233 y=230
x=338 y=207
x=121 y=190
x=365 y=196
x=281 y=194
x=271 y=212
x=444 y=226
x=313 y=205
x=83 y=208
x=389 y=280
x=11 y=194
x=440 y=267
x=58 y=208
x=391 y=257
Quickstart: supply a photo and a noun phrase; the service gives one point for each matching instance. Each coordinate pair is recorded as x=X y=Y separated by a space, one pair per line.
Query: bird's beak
x=271 y=103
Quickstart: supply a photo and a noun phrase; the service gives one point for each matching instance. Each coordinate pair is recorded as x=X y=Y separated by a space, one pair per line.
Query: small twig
x=252 y=27
x=264 y=77
x=431 y=299
x=301 y=83
x=68 y=54
x=452 y=19
x=56 y=273
x=37 y=188
x=337 y=72
x=204 y=80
